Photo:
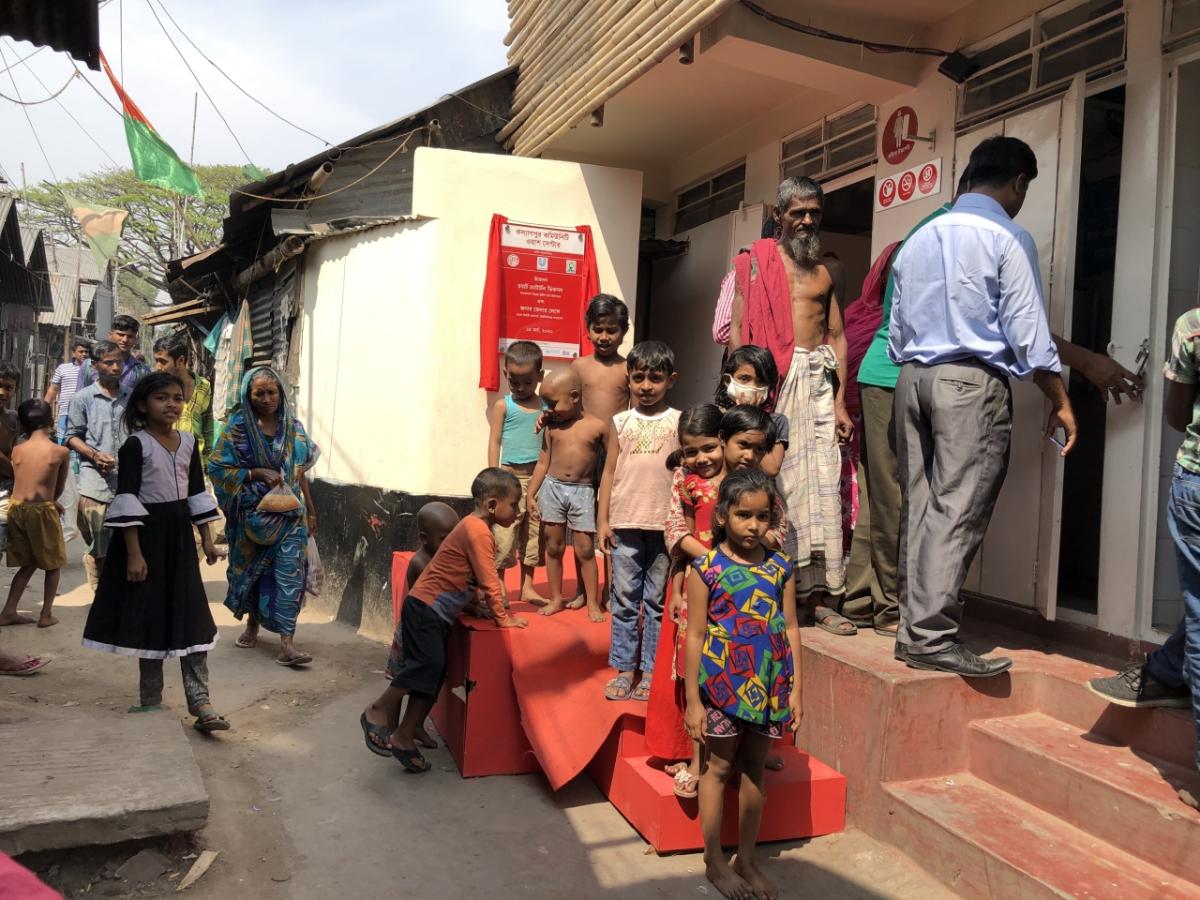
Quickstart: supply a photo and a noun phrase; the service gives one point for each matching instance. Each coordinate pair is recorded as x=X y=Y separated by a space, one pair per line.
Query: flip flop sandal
x=687 y=785
x=619 y=688
x=887 y=630
x=246 y=644
x=674 y=768
x=208 y=722
x=822 y=615
x=155 y=707
x=380 y=731
x=642 y=691
x=302 y=659
x=27 y=666
x=412 y=760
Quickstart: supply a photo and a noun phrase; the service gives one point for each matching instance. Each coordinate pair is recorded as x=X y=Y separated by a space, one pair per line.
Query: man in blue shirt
x=967 y=315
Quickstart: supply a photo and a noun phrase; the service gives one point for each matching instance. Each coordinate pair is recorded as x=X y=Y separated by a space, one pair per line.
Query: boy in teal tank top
x=514 y=445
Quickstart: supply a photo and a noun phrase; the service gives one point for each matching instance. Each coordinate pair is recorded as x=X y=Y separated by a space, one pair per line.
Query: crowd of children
x=684 y=510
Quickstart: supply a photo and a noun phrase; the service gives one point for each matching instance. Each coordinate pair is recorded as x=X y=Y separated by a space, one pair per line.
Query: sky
x=335 y=69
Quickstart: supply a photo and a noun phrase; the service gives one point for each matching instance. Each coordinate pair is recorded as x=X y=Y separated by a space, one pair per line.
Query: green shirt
x=1181 y=368
x=877 y=368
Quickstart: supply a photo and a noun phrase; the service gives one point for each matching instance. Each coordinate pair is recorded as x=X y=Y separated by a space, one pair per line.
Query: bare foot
x=577 y=602
x=47 y=620
x=764 y=888
x=422 y=738
x=774 y=762
x=530 y=595
x=727 y=881
x=596 y=613
x=553 y=607
x=15 y=618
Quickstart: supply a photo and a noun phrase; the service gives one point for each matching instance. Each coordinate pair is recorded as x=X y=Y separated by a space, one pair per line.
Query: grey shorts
x=563 y=502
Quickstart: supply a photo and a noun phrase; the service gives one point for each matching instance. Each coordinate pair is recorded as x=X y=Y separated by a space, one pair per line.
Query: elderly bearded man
x=785 y=297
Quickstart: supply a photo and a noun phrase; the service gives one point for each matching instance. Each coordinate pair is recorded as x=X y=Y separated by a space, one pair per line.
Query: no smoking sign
x=922 y=180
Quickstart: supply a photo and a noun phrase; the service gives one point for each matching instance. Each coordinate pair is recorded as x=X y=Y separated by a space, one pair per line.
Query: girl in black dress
x=150 y=602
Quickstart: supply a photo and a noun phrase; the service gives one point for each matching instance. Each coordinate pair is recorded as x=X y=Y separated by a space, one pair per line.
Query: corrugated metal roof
x=76 y=261
x=70 y=25
x=29 y=238
x=64 y=294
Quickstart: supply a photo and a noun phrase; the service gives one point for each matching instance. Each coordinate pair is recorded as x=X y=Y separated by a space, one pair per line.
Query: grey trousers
x=195 y=680
x=953 y=427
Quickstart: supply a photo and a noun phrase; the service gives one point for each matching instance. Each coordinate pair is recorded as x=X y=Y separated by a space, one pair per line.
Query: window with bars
x=832 y=146
x=710 y=199
x=1042 y=54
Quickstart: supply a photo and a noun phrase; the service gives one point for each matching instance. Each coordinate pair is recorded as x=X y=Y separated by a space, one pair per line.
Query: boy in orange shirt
x=433 y=603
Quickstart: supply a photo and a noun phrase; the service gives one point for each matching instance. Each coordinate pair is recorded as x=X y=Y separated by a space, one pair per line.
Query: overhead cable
x=199 y=83
x=812 y=31
x=53 y=96
x=229 y=78
x=28 y=118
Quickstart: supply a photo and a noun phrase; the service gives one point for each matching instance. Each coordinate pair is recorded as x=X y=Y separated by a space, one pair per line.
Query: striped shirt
x=66 y=377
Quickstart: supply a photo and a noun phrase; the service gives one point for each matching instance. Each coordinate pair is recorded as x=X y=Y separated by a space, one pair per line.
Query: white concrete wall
x=390 y=359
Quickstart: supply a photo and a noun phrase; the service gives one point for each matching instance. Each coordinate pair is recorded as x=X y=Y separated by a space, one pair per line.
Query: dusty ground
x=300 y=809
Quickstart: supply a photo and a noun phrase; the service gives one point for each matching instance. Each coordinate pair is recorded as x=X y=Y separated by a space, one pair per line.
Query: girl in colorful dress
x=741 y=670
x=712 y=443
x=265 y=446
x=150 y=601
x=700 y=466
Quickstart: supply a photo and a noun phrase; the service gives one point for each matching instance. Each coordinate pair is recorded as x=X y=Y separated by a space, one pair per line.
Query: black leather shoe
x=958 y=660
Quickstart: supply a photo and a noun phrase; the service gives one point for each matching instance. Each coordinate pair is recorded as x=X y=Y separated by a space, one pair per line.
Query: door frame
x=1159 y=306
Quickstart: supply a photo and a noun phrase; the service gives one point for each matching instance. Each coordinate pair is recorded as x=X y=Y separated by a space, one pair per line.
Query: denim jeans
x=1178 y=660
x=639 y=582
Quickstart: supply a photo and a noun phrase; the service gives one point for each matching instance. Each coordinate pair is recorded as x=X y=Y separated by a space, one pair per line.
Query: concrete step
x=69 y=783
x=1167 y=734
x=983 y=842
x=1121 y=796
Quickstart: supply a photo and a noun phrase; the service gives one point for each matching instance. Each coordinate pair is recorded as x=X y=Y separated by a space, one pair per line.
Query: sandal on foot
x=674 y=768
x=687 y=785
x=151 y=707
x=834 y=622
x=642 y=691
x=27 y=666
x=246 y=643
x=210 y=721
x=300 y=659
x=412 y=760
x=619 y=688
x=887 y=630
x=379 y=731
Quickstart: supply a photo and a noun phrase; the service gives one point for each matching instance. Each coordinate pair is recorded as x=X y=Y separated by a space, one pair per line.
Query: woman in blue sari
x=264 y=446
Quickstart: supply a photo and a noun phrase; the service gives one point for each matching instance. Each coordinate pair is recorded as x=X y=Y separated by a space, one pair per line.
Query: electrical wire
x=23 y=59
x=813 y=31
x=28 y=118
x=229 y=78
x=53 y=96
x=199 y=83
x=99 y=93
x=78 y=74
x=487 y=112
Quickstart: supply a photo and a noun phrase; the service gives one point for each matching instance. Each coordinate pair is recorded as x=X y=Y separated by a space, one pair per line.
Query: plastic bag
x=314 y=578
x=279 y=499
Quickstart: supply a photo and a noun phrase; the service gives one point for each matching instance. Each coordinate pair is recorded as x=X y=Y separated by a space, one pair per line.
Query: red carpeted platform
x=517 y=701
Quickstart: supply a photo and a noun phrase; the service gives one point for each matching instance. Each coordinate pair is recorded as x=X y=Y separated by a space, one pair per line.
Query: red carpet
x=560 y=667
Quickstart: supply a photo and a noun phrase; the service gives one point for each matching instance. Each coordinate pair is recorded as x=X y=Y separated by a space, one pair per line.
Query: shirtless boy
x=788 y=276
x=605 y=382
x=561 y=491
x=35 y=535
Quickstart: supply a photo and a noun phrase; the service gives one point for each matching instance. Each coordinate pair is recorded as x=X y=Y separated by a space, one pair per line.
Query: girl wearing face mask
x=747 y=376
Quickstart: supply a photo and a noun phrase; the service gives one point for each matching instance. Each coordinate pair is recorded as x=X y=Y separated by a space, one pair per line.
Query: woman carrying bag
x=258 y=470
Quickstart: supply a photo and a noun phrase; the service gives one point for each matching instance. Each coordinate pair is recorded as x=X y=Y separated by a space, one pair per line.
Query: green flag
x=153 y=159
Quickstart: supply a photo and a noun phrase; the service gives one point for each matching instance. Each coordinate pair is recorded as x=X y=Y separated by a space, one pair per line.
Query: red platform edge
x=479 y=717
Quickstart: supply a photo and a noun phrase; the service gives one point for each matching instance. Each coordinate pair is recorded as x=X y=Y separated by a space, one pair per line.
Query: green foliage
x=161 y=226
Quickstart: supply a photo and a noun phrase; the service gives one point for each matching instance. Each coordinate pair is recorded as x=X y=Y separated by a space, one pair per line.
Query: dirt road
x=300 y=809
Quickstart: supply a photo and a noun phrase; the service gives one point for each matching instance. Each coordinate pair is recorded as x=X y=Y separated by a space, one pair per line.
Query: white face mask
x=745 y=394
